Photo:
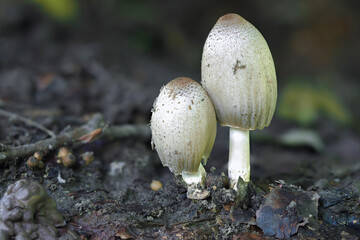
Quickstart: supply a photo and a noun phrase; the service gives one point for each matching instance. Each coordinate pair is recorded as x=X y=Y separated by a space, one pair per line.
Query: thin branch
x=75 y=136
x=127 y=130
x=66 y=138
x=14 y=116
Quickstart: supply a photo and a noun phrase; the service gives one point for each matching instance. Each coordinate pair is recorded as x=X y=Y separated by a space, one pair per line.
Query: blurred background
x=76 y=57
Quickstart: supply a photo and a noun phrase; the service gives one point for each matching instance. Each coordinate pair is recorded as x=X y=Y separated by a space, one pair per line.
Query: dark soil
x=58 y=74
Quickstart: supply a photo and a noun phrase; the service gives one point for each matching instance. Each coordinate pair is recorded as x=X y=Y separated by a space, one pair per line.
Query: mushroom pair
x=238 y=75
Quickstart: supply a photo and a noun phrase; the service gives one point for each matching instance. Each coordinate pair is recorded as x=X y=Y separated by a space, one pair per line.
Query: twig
x=75 y=136
x=14 y=116
x=50 y=144
x=127 y=130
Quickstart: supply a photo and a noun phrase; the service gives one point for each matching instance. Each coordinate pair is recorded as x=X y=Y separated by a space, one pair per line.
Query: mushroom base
x=195 y=177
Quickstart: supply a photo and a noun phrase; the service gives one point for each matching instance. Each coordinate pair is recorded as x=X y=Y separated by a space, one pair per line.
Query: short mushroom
x=183 y=126
x=238 y=73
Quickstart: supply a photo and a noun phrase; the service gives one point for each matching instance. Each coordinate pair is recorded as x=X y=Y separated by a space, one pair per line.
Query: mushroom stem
x=195 y=177
x=239 y=156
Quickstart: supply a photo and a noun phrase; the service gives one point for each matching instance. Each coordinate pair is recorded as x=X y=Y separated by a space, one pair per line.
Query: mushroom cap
x=238 y=73
x=183 y=125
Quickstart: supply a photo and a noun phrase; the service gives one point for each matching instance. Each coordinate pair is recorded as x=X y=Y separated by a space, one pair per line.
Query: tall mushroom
x=238 y=73
x=183 y=126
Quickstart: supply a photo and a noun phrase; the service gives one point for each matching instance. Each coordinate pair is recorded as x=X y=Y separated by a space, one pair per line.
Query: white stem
x=196 y=177
x=239 y=156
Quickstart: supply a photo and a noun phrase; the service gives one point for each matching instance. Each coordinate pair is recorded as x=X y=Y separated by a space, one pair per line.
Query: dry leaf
x=90 y=136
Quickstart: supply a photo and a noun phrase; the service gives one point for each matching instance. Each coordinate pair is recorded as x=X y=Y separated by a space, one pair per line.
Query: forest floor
x=305 y=190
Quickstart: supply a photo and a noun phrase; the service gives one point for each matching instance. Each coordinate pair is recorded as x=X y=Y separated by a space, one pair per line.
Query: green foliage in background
x=60 y=10
x=304 y=103
x=141 y=41
x=145 y=12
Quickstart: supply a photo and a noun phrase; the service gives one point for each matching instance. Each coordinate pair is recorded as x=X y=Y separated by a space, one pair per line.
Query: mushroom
x=183 y=127
x=238 y=73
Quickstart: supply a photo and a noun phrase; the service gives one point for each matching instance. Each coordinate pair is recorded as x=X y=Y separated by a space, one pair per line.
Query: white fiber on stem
x=196 y=177
x=239 y=156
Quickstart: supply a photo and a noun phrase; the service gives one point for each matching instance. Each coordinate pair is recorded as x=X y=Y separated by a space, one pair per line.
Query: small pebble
x=116 y=168
x=63 y=152
x=39 y=155
x=32 y=162
x=156 y=185
x=69 y=160
x=88 y=158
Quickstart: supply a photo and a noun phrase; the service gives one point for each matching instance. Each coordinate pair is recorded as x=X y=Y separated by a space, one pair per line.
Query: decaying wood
x=52 y=143
x=76 y=135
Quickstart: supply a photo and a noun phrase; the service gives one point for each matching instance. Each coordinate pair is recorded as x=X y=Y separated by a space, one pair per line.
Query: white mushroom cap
x=239 y=75
x=183 y=125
